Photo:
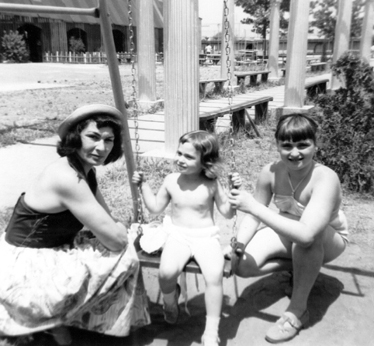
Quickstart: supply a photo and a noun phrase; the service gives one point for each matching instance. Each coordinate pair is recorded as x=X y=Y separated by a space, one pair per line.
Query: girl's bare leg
x=211 y=261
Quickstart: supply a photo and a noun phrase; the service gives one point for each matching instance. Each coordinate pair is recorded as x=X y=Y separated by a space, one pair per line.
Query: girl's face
x=297 y=155
x=188 y=159
x=96 y=145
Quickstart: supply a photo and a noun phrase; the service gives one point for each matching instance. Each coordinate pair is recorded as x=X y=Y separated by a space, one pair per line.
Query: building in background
x=50 y=33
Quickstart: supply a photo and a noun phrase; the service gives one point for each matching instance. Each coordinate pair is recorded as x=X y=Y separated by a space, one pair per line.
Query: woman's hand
x=235 y=181
x=138 y=178
x=123 y=229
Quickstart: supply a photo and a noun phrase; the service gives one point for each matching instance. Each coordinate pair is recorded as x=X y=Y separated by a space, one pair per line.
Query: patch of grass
x=28 y=133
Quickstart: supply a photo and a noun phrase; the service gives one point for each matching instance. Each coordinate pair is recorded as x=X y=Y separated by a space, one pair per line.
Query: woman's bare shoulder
x=60 y=176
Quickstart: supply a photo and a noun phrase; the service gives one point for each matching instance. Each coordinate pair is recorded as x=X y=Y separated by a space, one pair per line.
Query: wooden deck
x=152 y=128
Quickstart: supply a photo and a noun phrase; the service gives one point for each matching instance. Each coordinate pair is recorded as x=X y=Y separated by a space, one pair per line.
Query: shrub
x=347 y=118
x=14 y=47
x=76 y=45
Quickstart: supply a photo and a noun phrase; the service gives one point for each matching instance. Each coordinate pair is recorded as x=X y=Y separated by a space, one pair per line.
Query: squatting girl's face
x=296 y=155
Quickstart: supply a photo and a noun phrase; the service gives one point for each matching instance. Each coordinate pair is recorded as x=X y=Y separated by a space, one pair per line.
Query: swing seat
x=153 y=261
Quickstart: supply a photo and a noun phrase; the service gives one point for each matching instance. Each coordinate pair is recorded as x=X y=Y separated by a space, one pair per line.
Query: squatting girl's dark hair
x=207 y=144
x=72 y=142
x=296 y=127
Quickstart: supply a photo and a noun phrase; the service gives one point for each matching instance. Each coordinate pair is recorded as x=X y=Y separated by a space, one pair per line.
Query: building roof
x=118 y=11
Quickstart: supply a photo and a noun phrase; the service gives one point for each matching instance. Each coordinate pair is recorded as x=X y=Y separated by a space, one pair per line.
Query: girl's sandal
x=287 y=327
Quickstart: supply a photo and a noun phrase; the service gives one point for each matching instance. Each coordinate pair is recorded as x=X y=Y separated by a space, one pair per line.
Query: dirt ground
x=341 y=304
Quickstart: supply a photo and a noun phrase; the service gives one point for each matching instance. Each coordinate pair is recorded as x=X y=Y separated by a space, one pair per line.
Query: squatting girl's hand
x=241 y=200
x=137 y=178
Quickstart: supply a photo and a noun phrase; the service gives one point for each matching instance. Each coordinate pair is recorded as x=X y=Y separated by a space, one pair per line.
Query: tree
x=76 y=45
x=14 y=47
x=259 y=15
x=324 y=13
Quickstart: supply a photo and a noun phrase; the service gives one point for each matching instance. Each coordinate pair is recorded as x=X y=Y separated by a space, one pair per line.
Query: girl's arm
x=156 y=204
x=316 y=216
x=263 y=194
x=75 y=195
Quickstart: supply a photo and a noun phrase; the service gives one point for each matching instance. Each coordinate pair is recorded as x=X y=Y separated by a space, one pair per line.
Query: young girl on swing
x=192 y=190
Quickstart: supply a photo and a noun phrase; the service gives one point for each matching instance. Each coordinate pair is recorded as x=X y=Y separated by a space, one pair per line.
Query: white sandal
x=210 y=339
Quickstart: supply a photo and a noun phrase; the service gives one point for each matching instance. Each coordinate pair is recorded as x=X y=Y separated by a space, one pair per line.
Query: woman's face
x=188 y=159
x=297 y=155
x=96 y=144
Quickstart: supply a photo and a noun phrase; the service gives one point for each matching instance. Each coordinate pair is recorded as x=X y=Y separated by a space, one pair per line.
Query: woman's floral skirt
x=86 y=287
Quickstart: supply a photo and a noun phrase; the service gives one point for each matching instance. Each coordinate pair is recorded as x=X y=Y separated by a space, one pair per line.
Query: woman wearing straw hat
x=52 y=275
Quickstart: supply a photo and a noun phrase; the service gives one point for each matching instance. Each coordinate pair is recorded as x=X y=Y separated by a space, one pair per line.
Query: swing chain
x=229 y=86
x=229 y=98
x=135 y=113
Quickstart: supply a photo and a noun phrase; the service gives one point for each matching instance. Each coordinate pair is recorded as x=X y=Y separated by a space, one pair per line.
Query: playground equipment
x=153 y=261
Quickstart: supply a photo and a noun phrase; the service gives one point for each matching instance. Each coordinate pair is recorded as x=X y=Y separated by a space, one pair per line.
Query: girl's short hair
x=296 y=127
x=72 y=142
x=207 y=144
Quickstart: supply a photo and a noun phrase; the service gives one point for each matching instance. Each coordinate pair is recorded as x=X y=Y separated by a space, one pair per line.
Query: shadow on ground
x=249 y=306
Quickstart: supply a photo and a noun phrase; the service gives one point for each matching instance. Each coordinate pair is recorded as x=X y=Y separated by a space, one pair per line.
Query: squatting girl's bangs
x=296 y=128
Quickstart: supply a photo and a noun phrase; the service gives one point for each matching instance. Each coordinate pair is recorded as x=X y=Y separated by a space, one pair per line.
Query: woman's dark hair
x=72 y=142
x=296 y=127
x=207 y=144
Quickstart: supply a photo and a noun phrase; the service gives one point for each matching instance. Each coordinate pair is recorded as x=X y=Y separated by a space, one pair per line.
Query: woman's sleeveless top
x=30 y=228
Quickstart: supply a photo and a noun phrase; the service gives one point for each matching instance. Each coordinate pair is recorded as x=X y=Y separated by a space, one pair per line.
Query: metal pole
x=48 y=9
x=119 y=100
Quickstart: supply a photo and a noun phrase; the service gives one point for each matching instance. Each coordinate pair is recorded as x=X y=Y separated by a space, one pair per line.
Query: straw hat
x=86 y=112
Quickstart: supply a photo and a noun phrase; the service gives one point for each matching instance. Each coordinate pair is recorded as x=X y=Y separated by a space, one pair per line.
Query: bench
x=252 y=76
x=318 y=66
x=208 y=119
x=316 y=87
x=218 y=86
x=153 y=261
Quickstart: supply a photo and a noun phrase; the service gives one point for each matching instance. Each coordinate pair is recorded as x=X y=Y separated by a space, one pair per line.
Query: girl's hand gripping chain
x=235 y=182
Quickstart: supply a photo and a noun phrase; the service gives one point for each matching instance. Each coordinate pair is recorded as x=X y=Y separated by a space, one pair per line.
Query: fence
x=84 y=58
x=90 y=58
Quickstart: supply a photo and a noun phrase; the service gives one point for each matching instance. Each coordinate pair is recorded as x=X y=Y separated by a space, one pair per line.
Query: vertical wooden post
x=342 y=33
x=367 y=31
x=231 y=31
x=115 y=79
x=297 y=43
x=146 y=52
x=181 y=49
x=274 y=39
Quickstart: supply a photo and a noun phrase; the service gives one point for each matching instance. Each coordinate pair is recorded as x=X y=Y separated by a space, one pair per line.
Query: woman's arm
x=315 y=218
x=101 y=200
x=156 y=204
x=75 y=195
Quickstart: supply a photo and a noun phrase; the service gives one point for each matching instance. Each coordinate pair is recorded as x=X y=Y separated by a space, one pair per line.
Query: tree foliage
x=76 y=45
x=347 y=119
x=259 y=15
x=325 y=15
x=14 y=47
